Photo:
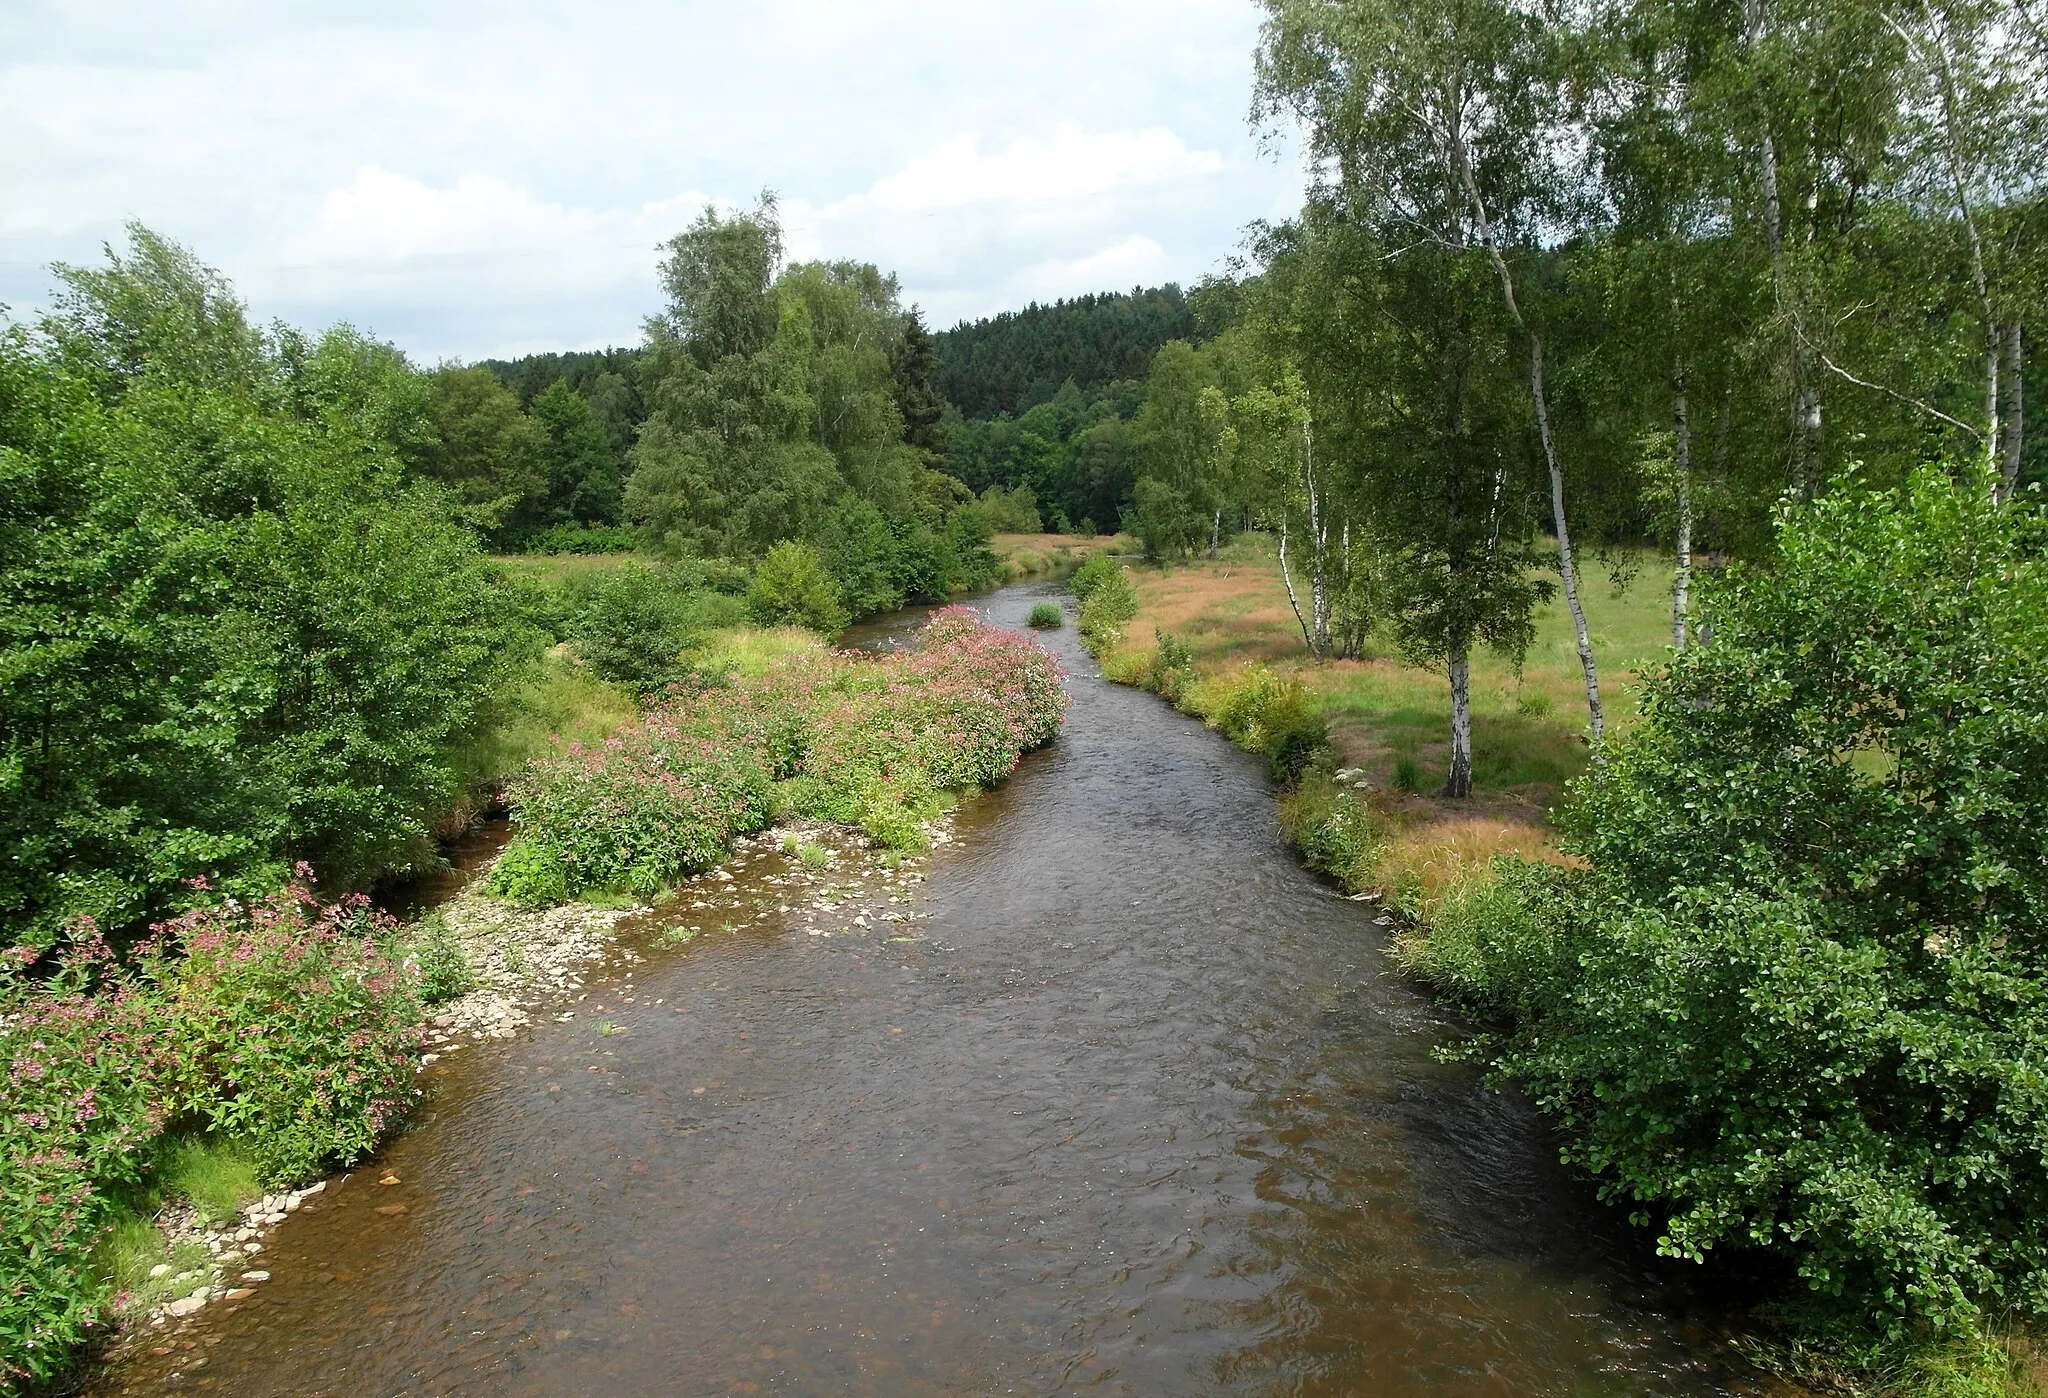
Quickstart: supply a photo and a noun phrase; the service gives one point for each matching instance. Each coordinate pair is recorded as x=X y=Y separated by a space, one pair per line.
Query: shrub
x=1173 y=667
x=792 y=587
x=1046 y=616
x=583 y=539
x=295 y=1033
x=875 y=743
x=433 y=957
x=1262 y=712
x=1337 y=833
x=1094 y=571
x=633 y=624
x=1112 y=600
x=82 y=1054
x=1803 y=1003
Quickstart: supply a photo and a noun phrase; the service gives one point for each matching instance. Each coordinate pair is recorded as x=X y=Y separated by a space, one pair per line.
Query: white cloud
x=1068 y=164
x=475 y=177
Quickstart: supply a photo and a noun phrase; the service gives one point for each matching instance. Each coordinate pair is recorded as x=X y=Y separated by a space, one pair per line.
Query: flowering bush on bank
x=284 y=1024
x=873 y=741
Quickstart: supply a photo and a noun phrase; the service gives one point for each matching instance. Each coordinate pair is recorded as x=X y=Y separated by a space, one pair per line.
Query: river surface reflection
x=1144 y=1111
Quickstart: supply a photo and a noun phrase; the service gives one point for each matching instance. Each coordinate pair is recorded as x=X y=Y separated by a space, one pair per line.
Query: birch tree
x=1440 y=118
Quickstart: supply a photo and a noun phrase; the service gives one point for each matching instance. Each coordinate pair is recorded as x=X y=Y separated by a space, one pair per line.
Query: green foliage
x=231 y=632
x=792 y=587
x=1337 y=833
x=1799 y=1006
x=1264 y=713
x=296 y=1033
x=1110 y=600
x=1173 y=667
x=434 y=960
x=1095 y=570
x=1046 y=616
x=1010 y=362
x=81 y=1050
x=634 y=624
x=492 y=456
x=282 y=1027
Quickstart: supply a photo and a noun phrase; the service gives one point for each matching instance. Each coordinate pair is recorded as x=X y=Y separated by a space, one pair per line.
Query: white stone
x=162 y=1269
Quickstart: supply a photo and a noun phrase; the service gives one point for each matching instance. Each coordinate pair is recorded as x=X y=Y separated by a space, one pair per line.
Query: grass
x=559 y=698
x=559 y=569
x=752 y=651
x=1046 y=616
x=215 y=1176
x=1391 y=719
x=1029 y=555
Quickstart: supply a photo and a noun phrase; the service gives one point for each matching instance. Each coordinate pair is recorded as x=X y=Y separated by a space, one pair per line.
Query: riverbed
x=1133 y=1106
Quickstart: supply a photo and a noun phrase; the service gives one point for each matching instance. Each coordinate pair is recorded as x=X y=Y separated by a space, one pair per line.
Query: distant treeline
x=1012 y=362
x=1043 y=400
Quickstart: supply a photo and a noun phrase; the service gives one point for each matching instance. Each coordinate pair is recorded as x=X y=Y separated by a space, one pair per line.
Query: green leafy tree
x=583 y=475
x=1796 y=1004
x=489 y=454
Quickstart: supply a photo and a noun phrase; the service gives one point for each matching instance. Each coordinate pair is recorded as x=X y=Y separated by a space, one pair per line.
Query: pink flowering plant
x=284 y=1024
x=872 y=741
x=83 y=1053
x=297 y=1032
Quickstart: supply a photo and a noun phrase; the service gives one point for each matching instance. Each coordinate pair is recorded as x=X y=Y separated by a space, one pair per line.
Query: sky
x=475 y=179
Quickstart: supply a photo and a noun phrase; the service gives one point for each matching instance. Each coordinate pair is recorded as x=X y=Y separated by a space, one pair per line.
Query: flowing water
x=1145 y=1111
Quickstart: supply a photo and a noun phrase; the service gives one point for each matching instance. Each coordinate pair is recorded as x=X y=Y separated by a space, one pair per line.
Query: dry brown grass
x=1421 y=862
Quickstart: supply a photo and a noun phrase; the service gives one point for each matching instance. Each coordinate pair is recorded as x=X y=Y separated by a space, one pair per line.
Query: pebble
x=255 y=1276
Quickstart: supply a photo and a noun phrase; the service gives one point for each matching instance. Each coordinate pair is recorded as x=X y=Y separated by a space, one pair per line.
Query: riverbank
x=1657 y=997
x=1080 y=1120
x=249 y=1045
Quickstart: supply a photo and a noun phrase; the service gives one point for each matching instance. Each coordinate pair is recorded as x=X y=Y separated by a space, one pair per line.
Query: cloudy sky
x=490 y=177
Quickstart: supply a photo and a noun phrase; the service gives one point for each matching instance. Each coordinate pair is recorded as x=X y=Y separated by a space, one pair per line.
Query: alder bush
x=1801 y=1002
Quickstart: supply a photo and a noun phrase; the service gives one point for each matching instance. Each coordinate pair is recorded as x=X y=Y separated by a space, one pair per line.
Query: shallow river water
x=1145 y=1112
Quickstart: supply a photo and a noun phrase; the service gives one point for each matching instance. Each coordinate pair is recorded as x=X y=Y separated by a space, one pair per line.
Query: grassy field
x=1393 y=719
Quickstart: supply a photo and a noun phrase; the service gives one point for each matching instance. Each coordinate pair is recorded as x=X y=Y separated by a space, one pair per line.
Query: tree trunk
x=1681 y=574
x=1458 y=784
x=2015 y=413
x=1806 y=405
x=1566 y=568
x=1215 y=531
x=1319 y=552
x=1287 y=577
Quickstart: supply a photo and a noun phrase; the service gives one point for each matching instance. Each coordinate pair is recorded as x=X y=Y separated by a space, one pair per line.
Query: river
x=1145 y=1111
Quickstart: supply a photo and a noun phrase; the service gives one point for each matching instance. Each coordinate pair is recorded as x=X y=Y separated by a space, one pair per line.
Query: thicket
x=880 y=742
x=1796 y=1002
x=234 y=631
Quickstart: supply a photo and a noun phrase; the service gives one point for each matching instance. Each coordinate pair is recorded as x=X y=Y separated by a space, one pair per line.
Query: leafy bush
x=1111 y=600
x=1803 y=1004
x=583 y=539
x=1095 y=570
x=1173 y=667
x=792 y=587
x=1264 y=713
x=83 y=1054
x=1337 y=833
x=281 y=1026
x=868 y=742
x=236 y=633
x=634 y=623
x=296 y=1034
x=434 y=960
x=1046 y=616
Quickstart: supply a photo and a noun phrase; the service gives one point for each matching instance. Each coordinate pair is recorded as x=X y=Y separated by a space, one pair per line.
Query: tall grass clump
x=877 y=742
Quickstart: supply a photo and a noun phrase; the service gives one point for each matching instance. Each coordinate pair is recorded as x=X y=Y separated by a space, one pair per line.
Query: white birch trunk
x=1458 y=782
x=1681 y=575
